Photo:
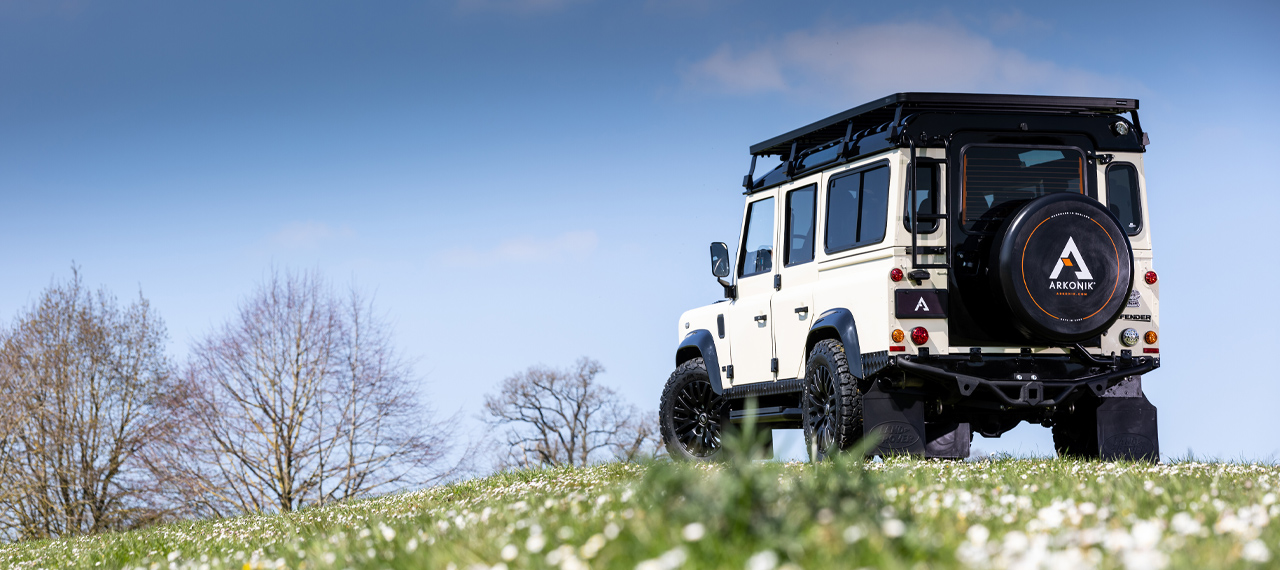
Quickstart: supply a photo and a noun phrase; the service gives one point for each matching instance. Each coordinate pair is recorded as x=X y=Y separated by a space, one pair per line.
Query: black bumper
x=1022 y=381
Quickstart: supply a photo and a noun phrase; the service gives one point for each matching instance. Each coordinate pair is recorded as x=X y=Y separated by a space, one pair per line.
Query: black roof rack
x=892 y=108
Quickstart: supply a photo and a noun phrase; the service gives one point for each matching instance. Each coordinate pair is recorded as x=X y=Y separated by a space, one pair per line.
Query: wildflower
x=1255 y=551
x=593 y=546
x=978 y=534
x=893 y=528
x=1183 y=524
x=611 y=531
x=535 y=543
x=854 y=534
x=763 y=560
x=509 y=552
x=693 y=532
x=669 y=560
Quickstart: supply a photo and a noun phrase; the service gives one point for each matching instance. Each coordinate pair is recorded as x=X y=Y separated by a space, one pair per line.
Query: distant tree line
x=299 y=399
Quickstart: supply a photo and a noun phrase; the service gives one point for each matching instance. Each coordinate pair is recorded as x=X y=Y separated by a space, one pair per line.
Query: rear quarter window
x=1123 y=196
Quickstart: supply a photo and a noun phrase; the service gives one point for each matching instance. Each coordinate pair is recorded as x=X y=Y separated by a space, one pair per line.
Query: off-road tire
x=692 y=418
x=1076 y=435
x=831 y=403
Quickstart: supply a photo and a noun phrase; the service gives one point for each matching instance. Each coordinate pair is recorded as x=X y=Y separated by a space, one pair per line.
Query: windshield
x=998 y=179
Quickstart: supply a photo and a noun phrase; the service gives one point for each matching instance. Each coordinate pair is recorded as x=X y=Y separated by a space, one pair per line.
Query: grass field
x=902 y=513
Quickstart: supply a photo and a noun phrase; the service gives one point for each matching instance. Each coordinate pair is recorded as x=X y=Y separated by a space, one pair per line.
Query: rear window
x=857 y=209
x=1123 y=198
x=998 y=179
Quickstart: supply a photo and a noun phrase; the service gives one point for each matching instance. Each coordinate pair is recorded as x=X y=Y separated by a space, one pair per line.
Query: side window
x=1123 y=197
x=857 y=207
x=800 y=225
x=757 y=245
x=926 y=196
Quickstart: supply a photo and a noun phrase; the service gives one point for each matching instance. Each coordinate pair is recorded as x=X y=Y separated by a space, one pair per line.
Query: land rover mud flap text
x=895 y=420
x=1127 y=429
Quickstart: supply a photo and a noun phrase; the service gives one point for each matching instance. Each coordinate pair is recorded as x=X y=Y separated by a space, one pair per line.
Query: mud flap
x=1127 y=429
x=897 y=420
x=948 y=440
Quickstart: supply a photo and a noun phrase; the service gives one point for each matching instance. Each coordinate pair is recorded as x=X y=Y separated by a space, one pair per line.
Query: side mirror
x=719 y=259
x=720 y=268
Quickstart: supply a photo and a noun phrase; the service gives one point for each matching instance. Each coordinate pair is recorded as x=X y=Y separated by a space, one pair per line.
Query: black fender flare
x=840 y=322
x=700 y=343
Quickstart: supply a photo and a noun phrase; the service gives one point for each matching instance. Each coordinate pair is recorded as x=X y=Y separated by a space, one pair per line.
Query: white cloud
x=303 y=235
x=572 y=245
x=863 y=62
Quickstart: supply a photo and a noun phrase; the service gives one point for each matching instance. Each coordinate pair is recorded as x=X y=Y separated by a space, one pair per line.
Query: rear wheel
x=831 y=404
x=692 y=417
x=1076 y=435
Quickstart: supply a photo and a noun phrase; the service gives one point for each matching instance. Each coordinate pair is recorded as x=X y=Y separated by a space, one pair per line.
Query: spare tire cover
x=1064 y=267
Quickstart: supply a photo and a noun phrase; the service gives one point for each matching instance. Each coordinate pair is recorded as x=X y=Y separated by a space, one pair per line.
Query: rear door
x=792 y=304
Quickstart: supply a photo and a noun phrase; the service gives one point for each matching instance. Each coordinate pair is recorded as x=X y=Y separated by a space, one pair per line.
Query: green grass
x=1004 y=513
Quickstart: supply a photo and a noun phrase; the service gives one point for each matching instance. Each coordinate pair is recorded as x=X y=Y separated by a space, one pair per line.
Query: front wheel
x=692 y=416
x=831 y=404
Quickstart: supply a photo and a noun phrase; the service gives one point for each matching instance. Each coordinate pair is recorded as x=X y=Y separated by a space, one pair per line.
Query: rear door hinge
x=777 y=281
x=729 y=372
x=773 y=365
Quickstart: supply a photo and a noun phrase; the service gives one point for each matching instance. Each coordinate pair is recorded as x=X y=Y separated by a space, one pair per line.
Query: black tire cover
x=1064 y=267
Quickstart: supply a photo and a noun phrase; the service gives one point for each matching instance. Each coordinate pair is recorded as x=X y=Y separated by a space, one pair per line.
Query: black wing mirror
x=720 y=268
x=719 y=259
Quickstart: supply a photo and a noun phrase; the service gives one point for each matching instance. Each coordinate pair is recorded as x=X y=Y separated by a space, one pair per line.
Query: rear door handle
x=762 y=318
x=802 y=310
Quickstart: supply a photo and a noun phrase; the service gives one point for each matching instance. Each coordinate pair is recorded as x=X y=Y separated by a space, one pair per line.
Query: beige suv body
x=1026 y=291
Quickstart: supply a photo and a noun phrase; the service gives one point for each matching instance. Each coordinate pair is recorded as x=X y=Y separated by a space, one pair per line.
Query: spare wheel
x=1064 y=267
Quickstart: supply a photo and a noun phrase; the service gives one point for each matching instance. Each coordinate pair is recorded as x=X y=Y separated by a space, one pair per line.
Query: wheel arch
x=701 y=343
x=837 y=324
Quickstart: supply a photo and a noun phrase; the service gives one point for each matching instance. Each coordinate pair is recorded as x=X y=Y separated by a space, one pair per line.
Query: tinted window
x=757 y=254
x=800 y=222
x=1123 y=197
x=926 y=195
x=996 y=180
x=857 y=207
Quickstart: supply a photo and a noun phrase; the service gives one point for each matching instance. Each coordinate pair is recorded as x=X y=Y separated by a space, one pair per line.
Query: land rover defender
x=927 y=266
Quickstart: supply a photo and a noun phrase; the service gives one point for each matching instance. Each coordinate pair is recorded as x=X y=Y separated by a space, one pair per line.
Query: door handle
x=762 y=318
x=802 y=310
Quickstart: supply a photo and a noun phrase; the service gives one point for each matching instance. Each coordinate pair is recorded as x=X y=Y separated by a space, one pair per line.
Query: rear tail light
x=919 y=335
x=895 y=274
x=897 y=348
x=1150 y=278
x=898 y=335
x=1150 y=337
x=1150 y=351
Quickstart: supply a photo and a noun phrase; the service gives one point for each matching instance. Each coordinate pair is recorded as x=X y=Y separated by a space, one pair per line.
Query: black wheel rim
x=822 y=408
x=698 y=416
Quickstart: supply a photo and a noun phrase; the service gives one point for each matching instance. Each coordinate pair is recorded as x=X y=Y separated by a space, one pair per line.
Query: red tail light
x=1150 y=278
x=919 y=335
x=895 y=274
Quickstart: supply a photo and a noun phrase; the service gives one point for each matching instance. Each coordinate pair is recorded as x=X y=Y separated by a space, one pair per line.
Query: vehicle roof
x=891 y=108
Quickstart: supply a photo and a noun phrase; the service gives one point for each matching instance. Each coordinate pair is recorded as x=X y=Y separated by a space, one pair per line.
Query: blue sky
x=529 y=181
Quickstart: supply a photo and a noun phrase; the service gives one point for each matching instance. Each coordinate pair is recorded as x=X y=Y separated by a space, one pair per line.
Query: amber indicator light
x=898 y=335
x=1150 y=337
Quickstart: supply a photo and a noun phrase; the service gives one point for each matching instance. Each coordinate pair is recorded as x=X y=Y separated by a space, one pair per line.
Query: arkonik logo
x=1071 y=258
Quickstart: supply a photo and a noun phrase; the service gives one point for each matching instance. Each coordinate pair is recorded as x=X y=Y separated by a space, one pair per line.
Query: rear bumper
x=1020 y=381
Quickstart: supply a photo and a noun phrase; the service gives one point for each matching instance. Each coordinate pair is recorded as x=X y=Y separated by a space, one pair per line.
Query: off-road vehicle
x=927 y=266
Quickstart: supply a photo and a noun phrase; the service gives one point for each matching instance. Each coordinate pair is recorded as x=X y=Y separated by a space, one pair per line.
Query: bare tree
x=299 y=400
x=564 y=417
x=81 y=379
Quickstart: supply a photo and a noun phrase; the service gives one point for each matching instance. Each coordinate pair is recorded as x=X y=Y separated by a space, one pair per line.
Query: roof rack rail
x=891 y=109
